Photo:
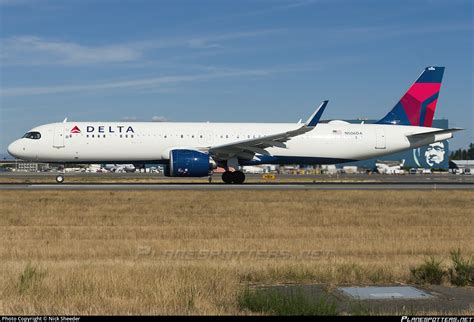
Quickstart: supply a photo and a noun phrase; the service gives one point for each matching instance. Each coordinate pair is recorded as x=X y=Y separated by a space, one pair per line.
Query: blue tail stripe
x=396 y=116
x=431 y=75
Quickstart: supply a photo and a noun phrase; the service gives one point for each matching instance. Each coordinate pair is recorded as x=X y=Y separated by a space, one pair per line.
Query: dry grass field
x=185 y=252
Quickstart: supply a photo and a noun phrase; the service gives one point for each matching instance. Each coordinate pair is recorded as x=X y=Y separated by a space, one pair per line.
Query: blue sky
x=243 y=61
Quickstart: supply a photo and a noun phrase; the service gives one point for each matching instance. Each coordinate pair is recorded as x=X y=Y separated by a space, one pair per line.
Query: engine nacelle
x=188 y=163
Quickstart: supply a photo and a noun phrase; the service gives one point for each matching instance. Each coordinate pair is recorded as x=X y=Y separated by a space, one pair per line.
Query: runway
x=262 y=186
x=146 y=181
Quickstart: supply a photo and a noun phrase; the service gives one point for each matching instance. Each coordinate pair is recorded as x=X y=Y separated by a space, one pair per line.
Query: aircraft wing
x=246 y=149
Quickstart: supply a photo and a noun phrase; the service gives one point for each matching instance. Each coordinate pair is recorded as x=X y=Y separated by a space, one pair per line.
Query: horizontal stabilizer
x=429 y=134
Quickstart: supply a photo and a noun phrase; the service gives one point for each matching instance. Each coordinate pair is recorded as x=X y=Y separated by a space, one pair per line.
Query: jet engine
x=188 y=163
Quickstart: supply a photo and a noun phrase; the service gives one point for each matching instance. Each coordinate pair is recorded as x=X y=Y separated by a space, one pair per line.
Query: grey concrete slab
x=440 y=299
x=385 y=293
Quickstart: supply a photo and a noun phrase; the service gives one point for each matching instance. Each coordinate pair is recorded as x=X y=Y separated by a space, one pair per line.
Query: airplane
x=390 y=167
x=195 y=149
x=120 y=167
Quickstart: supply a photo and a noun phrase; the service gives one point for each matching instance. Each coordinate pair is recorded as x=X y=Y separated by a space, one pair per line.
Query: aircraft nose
x=14 y=149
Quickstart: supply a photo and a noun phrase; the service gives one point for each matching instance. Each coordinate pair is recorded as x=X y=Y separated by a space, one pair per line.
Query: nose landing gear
x=60 y=178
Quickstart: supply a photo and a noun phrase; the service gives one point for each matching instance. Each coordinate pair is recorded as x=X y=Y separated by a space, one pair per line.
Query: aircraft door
x=205 y=138
x=206 y=135
x=201 y=138
x=58 y=138
x=380 y=142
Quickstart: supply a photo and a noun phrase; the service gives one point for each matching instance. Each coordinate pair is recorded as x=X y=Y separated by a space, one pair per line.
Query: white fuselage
x=150 y=142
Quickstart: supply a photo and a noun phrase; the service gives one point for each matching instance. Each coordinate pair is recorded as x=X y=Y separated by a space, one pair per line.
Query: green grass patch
x=462 y=271
x=29 y=277
x=357 y=308
x=269 y=301
x=430 y=272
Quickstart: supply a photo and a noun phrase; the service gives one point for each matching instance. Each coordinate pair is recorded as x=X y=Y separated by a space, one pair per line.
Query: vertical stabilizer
x=418 y=105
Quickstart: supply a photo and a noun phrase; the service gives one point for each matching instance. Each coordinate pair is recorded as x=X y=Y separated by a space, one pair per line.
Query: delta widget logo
x=75 y=129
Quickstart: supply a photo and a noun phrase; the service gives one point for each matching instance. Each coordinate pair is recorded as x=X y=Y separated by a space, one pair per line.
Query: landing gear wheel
x=59 y=178
x=238 y=177
x=227 y=177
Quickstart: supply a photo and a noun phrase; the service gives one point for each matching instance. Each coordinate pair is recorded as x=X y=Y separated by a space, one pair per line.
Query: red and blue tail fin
x=418 y=105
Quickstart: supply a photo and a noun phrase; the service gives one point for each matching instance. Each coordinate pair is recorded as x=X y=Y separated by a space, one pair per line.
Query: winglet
x=316 y=116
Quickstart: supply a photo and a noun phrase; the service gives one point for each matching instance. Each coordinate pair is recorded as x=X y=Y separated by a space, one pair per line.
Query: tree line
x=463 y=154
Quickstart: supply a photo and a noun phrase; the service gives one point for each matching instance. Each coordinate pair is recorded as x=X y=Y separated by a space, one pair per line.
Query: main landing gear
x=237 y=177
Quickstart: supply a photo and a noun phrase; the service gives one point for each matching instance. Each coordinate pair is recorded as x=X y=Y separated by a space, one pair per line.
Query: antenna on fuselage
x=65 y=120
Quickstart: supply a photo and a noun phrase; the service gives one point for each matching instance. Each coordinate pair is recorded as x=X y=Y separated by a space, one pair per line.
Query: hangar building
x=433 y=156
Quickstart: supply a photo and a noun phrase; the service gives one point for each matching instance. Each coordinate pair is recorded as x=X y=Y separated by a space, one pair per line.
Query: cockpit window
x=32 y=135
